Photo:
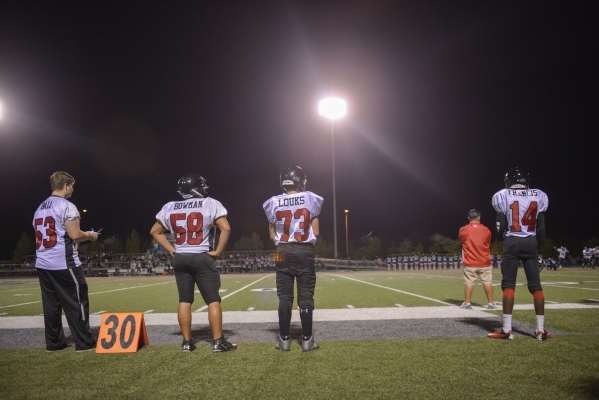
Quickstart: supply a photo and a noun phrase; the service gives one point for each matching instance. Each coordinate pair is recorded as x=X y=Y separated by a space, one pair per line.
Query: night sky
x=443 y=98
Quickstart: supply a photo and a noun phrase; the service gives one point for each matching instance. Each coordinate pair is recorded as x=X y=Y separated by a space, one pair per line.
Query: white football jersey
x=291 y=214
x=54 y=249
x=521 y=208
x=190 y=221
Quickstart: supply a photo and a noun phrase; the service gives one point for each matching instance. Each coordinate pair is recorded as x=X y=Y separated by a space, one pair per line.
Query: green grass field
x=567 y=366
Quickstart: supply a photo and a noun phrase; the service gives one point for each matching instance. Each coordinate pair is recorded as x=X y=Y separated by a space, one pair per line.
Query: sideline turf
x=565 y=367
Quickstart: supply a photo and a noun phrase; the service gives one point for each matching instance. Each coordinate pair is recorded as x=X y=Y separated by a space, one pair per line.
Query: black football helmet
x=192 y=185
x=516 y=176
x=293 y=176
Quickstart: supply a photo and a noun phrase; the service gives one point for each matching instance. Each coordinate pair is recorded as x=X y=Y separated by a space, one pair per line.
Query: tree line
x=370 y=247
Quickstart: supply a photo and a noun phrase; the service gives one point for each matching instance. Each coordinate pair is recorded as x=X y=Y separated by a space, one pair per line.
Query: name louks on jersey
x=54 y=249
x=292 y=215
x=190 y=221
x=521 y=208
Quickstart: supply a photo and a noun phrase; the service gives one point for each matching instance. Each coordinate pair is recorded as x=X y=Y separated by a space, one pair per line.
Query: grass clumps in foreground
x=563 y=367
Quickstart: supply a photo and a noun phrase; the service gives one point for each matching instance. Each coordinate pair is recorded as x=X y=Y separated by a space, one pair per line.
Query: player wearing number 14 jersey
x=190 y=220
x=294 y=228
x=521 y=219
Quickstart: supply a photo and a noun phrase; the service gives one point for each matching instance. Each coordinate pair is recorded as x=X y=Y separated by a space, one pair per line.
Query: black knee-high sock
x=306 y=317
x=284 y=317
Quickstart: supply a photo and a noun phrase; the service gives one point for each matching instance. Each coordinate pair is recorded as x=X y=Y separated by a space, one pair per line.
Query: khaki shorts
x=470 y=274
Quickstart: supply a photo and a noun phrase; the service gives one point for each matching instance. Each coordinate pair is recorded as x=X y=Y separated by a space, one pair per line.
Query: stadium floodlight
x=333 y=108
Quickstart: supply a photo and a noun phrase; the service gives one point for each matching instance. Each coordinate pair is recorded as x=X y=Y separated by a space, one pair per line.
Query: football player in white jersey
x=62 y=281
x=521 y=219
x=293 y=225
x=190 y=220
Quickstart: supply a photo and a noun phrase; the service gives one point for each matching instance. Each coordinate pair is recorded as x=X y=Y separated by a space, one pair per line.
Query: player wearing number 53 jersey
x=63 y=284
x=294 y=228
x=521 y=219
x=190 y=220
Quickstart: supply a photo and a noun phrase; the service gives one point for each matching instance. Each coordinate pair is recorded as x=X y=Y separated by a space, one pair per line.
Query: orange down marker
x=122 y=333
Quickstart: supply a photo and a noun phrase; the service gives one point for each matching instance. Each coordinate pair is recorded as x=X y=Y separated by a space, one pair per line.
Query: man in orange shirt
x=476 y=250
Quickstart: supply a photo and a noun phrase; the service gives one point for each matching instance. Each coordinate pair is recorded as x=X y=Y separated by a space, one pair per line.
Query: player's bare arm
x=157 y=233
x=272 y=232
x=316 y=226
x=75 y=232
x=225 y=231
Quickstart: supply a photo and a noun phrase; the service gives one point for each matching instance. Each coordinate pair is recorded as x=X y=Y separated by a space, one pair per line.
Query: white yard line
x=132 y=287
x=98 y=312
x=232 y=293
x=21 y=304
x=250 y=308
x=395 y=290
x=434 y=276
x=400 y=306
x=570 y=287
x=350 y=306
x=107 y=291
x=149 y=311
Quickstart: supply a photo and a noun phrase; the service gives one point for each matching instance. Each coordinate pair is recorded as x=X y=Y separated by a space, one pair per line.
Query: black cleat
x=220 y=345
x=64 y=346
x=188 y=346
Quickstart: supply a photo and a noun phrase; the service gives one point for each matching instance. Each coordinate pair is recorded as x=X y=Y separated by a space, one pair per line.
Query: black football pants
x=295 y=262
x=523 y=249
x=65 y=289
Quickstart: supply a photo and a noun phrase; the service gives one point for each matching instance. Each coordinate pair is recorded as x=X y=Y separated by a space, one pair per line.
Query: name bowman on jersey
x=190 y=221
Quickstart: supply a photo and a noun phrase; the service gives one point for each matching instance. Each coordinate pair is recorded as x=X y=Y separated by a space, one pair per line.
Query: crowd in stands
x=133 y=264
x=425 y=261
x=99 y=263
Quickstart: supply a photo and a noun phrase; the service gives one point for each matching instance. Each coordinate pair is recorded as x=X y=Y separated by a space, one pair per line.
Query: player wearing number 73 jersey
x=294 y=228
x=521 y=220
x=190 y=220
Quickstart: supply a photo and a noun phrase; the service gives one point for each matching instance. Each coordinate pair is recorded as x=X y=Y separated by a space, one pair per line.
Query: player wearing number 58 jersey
x=294 y=228
x=190 y=221
x=521 y=220
x=63 y=284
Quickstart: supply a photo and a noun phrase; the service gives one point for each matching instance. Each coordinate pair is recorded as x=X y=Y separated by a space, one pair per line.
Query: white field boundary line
x=232 y=293
x=323 y=315
x=106 y=291
x=395 y=290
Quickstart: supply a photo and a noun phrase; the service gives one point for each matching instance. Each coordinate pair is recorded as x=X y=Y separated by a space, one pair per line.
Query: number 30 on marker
x=122 y=333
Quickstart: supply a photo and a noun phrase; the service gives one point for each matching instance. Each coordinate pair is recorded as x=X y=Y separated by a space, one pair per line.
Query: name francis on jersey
x=190 y=221
x=521 y=208
x=292 y=216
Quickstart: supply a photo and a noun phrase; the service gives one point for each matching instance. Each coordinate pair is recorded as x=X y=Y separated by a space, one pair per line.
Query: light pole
x=333 y=108
x=346 y=236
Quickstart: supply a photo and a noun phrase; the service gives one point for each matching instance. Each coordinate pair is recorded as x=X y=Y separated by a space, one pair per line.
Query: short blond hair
x=59 y=179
